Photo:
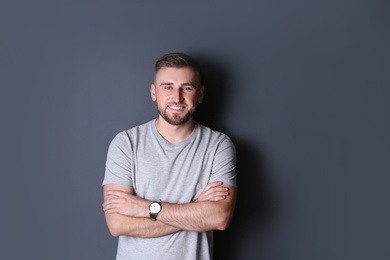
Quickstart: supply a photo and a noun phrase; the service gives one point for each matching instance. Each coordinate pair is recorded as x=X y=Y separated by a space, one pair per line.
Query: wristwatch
x=154 y=209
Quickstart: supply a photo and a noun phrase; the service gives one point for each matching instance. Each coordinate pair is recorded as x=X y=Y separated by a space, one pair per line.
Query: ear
x=201 y=94
x=153 y=92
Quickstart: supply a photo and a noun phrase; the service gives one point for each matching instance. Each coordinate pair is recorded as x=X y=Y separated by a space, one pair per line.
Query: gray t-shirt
x=176 y=173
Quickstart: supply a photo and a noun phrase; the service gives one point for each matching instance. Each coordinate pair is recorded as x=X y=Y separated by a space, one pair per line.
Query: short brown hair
x=178 y=60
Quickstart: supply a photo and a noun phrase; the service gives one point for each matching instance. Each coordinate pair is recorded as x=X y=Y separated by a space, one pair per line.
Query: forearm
x=120 y=225
x=129 y=215
x=199 y=216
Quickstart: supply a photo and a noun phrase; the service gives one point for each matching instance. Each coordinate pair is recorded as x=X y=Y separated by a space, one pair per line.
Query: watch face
x=155 y=207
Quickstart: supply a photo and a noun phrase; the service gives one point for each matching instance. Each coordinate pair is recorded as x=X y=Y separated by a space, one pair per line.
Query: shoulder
x=134 y=131
x=214 y=136
x=131 y=135
x=204 y=130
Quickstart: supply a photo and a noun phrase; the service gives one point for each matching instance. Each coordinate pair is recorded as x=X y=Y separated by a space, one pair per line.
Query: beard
x=175 y=119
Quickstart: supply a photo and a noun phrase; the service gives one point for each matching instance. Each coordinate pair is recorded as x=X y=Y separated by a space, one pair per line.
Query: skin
x=176 y=92
x=128 y=215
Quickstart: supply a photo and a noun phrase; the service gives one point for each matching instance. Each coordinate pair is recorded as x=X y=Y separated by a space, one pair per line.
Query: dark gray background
x=302 y=88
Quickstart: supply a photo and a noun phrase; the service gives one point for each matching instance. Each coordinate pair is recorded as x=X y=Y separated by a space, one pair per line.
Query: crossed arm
x=127 y=214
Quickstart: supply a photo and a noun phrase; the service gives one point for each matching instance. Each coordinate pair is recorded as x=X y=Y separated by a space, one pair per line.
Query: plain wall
x=301 y=87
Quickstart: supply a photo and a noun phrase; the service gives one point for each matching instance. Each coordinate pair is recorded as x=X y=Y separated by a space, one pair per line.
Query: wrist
x=154 y=209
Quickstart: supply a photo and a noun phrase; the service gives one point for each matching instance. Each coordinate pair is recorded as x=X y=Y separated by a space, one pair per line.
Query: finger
x=112 y=200
x=111 y=207
x=215 y=196
x=110 y=196
x=112 y=203
x=213 y=185
x=218 y=198
x=116 y=193
x=216 y=189
x=213 y=189
x=112 y=211
x=210 y=189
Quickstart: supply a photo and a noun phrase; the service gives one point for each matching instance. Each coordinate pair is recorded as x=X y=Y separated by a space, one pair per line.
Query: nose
x=178 y=95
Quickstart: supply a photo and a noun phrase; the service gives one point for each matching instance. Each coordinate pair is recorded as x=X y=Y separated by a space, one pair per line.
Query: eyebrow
x=181 y=85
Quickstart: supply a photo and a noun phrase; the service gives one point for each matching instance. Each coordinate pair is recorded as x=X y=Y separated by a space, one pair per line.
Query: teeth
x=176 y=108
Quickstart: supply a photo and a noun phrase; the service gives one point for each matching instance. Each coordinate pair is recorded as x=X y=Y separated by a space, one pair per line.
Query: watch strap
x=153 y=216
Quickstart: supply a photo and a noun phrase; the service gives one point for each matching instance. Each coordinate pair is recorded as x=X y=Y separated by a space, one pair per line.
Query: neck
x=174 y=133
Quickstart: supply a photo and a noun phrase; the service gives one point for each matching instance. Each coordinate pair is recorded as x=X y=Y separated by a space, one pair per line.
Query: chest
x=176 y=176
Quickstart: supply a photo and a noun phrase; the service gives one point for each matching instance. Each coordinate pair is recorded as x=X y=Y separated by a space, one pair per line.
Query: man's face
x=176 y=92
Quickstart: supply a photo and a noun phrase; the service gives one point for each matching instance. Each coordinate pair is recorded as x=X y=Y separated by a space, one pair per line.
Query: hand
x=214 y=191
x=124 y=203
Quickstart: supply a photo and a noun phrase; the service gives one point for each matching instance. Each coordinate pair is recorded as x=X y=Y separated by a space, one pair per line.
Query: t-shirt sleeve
x=118 y=163
x=224 y=166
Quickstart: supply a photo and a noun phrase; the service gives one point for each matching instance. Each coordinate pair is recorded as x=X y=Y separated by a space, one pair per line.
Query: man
x=170 y=182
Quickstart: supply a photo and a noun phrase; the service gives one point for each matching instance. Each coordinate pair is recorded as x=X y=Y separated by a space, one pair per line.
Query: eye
x=188 y=88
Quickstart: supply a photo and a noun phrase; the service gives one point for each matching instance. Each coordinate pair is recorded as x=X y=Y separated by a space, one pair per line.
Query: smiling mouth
x=176 y=107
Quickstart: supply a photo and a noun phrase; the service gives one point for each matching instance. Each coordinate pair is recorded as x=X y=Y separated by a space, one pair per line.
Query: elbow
x=225 y=212
x=115 y=232
x=114 y=228
x=223 y=218
x=223 y=222
x=222 y=226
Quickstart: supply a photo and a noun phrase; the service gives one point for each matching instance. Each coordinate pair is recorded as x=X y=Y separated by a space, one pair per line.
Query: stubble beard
x=175 y=119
